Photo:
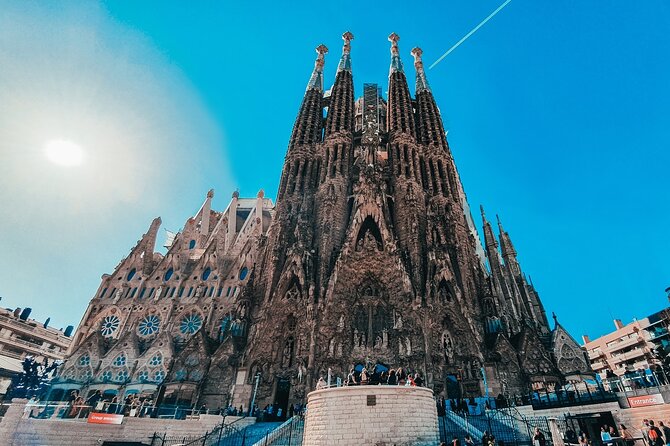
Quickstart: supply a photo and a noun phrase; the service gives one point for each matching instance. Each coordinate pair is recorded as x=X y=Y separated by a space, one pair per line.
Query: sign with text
x=645 y=400
x=105 y=418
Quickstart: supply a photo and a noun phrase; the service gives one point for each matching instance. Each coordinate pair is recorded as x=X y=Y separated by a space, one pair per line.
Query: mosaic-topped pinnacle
x=393 y=38
x=417 y=52
x=321 y=50
x=396 y=64
x=421 y=81
x=345 y=60
x=316 y=80
x=347 y=37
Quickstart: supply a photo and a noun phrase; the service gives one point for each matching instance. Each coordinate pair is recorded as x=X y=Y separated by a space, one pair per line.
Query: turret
x=341 y=107
x=400 y=111
x=307 y=131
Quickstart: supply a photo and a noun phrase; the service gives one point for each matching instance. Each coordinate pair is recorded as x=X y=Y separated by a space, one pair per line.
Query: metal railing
x=62 y=409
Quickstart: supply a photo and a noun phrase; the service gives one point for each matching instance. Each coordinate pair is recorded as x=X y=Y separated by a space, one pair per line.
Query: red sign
x=645 y=400
x=105 y=418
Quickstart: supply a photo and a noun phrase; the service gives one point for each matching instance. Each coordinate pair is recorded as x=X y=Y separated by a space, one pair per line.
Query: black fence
x=289 y=433
x=567 y=398
x=508 y=426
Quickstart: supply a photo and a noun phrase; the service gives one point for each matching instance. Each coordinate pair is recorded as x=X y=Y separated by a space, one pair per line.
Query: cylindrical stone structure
x=371 y=415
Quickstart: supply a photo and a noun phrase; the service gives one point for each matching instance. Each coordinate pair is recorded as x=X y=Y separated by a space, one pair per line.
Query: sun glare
x=64 y=153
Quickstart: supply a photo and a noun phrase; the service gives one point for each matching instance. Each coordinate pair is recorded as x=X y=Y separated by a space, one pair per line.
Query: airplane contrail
x=474 y=30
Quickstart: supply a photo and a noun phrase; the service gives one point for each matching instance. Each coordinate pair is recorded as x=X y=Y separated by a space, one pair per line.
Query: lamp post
x=253 y=398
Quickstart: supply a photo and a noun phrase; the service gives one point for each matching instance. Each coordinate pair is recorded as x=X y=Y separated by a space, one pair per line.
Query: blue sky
x=557 y=115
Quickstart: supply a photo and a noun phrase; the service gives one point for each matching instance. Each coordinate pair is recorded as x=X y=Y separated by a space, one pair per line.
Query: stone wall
x=17 y=430
x=371 y=415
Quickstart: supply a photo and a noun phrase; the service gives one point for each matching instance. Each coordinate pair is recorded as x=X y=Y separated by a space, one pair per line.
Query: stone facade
x=370 y=256
x=371 y=415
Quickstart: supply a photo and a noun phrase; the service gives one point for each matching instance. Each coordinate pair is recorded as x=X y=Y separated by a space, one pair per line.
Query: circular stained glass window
x=149 y=325
x=109 y=325
x=180 y=374
x=84 y=360
x=156 y=359
x=143 y=376
x=120 y=360
x=106 y=375
x=121 y=376
x=191 y=323
x=159 y=376
x=86 y=375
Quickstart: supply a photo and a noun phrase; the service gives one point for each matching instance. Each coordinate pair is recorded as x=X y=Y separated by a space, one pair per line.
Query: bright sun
x=64 y=152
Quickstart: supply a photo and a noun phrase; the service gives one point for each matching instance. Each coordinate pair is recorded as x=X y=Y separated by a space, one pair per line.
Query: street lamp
x=253 y=399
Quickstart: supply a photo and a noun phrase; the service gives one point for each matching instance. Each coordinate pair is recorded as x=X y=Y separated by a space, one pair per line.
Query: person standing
x=655 y=435
x=538 y=438
x=626 y=435
x=665 y=430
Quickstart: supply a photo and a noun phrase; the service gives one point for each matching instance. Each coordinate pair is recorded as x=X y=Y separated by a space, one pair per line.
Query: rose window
x=109 y=325
x=84 y=360
x=143 y=376
x=149 y=325
x=190 y=324
x=106 y=375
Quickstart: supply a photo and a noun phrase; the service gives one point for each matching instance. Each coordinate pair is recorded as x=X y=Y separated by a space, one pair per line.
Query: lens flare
x=64 y=152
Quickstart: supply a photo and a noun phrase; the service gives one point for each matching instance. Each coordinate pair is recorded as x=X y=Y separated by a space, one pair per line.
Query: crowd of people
x=378 y=376
x=489 y=439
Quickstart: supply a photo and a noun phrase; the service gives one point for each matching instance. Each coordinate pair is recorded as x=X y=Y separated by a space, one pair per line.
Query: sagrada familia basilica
x=370 y=256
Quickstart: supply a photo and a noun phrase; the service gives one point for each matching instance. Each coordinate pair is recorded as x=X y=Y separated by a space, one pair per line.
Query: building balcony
x=627 y=343
x=596 y=354
x=598 y=365
x=633 y=354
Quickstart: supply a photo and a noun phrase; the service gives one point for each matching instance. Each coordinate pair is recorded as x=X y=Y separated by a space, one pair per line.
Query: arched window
x=143 y=376
x=106 y=376
x=121 y=376
x=168 y=274
x=243 y=273
x=85 y=360
x=159 y=375
x=369 y=236
x=290 y=323
x=191 y=244
x=206 y=273
x=131 y=274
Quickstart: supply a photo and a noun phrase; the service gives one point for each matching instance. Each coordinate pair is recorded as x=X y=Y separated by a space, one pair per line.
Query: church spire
x=421 y=81
x=345 y=60
x=400 y=112
x=396 y=63
x=341 y=102
x=316 y=80
x=308 y=125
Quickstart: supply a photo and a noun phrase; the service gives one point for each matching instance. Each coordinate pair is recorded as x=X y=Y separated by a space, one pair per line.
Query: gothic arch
x=368 y=234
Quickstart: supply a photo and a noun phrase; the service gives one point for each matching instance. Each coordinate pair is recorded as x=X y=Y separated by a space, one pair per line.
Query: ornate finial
x=345 y=60
x=421 y=81
x=316 y=81
x=481 y=209
x=261 y=194
x=417 y=52
x=393 y=38
x=236 y=194
x=347 y=37
x=396 y=64
x=210 y=193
